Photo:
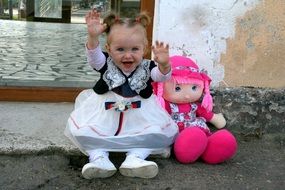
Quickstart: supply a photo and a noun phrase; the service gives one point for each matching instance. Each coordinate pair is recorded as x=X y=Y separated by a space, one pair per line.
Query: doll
x=186 y=97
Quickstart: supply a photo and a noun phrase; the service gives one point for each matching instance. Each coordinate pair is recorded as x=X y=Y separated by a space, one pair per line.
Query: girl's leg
x=163 y=153
x=142 y=153
x=99 y=165
x=222 y=146
x=135 y=164
x=190 y=145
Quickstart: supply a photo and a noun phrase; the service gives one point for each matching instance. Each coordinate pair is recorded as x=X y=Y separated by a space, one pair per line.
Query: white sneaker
x=137 y=167
x=100 y=167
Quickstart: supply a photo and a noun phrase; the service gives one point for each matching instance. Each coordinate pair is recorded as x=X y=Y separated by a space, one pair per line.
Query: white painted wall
x=199 y=29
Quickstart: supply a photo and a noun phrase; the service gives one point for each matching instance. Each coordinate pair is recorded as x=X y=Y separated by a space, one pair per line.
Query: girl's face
x=126 y=47
x=182 y=93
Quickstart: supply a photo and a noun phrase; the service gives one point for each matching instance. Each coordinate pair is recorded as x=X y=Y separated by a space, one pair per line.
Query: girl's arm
x=161 y=57
x=95 y=57
x=94 y=28
x=157 y=76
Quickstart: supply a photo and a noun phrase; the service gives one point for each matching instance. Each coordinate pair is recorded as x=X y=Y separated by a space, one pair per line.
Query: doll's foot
x=137 y=167
x=222 y=146
x=100 y=167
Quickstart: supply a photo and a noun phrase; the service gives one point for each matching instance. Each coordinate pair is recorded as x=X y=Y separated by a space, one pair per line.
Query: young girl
x=187 y=99
x=121 y=114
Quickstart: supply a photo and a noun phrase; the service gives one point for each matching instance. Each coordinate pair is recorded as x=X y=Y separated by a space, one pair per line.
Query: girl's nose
x=128 y=54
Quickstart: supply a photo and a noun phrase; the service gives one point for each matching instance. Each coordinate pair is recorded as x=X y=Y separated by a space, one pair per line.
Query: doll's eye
x=177 y=89
x=194 y=88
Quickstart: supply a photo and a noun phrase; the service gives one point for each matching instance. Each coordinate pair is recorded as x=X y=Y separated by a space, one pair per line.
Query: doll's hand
x=161 y=56
x=94 y=26
x=218 y=120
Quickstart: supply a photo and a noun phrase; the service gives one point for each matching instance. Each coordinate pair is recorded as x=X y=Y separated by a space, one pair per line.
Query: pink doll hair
x=185 y=71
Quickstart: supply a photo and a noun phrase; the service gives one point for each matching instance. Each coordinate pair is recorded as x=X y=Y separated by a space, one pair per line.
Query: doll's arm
x=218 y=120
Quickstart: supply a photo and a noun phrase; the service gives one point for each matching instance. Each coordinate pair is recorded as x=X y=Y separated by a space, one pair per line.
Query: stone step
x=249 y=113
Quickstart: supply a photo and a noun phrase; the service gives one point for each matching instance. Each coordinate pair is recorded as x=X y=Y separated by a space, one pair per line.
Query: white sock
x=93 y=154
x=142 y=153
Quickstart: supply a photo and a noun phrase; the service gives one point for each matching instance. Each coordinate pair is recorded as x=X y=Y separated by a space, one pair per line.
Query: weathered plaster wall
x=255 y=56
x=239 y=42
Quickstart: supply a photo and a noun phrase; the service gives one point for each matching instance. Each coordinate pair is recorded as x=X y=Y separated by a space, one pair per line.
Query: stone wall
x=252 y=112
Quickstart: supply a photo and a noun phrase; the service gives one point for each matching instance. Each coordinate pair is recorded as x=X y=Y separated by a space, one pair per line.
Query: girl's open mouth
x=127 y=63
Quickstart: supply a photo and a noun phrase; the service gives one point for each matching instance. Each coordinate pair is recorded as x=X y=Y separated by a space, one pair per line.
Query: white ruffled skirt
x=91 y=126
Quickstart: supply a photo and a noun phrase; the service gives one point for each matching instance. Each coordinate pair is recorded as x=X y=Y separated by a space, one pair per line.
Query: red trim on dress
x=120 y=123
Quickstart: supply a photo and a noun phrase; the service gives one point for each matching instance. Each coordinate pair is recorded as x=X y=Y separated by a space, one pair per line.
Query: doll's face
x=182 y=93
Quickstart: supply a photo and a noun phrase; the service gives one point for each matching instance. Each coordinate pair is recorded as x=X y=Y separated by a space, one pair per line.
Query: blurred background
x=65 y=11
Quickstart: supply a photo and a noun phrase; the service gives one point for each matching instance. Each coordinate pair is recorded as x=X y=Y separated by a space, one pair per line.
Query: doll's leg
x=222 y=146
x=190 y=145
x=135 y=164
x=99 y=165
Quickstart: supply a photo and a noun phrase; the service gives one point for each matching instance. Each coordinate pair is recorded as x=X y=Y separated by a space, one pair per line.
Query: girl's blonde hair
x=142 y=19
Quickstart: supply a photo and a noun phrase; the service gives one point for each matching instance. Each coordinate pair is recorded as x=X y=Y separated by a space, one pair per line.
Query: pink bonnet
x=186 y=67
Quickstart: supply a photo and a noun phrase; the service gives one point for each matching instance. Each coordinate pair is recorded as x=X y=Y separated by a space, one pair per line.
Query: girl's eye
x=177 y=89
x=194 y=88
x=120 y=49
x=135 y=49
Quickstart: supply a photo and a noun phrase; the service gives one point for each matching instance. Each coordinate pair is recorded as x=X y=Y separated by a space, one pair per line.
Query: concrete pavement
x=28 y=128
x=257 y=165
x=35 y=154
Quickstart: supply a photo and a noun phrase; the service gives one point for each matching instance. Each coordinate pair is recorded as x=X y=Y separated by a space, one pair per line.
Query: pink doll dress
x=189 y=118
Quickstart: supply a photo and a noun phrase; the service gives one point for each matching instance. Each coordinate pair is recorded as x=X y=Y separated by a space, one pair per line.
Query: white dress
x=92 y=126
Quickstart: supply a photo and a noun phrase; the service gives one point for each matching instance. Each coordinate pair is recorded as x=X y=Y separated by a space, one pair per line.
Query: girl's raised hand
x=94 y=25
x=161 y=56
